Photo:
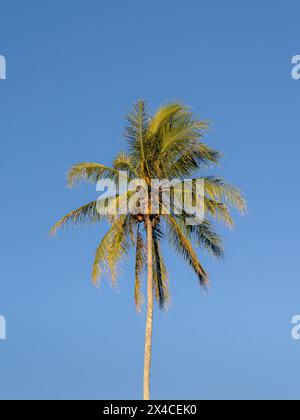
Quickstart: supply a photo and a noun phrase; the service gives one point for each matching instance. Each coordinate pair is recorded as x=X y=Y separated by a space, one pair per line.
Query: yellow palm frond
x=89 y=172
x=217 y=189
x=112 y=248
x=84 y=214
x=164 y=114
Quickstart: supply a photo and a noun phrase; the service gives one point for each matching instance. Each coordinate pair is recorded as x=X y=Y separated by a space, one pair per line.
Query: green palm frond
x=219 y=211
x=218 y=196
x=137 y=134
x=160 y=272
x=197 y=156
x=205 y=236
x=89 y=172
x=84 y=214
x=182 y=244
x=182 y=134
x=140 y=264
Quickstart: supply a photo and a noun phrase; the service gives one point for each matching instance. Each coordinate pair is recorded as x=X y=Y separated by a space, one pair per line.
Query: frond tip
x=84 y=214
x=217 y=189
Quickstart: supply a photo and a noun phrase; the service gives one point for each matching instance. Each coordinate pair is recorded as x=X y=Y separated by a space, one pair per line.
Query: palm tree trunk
x=149 y=321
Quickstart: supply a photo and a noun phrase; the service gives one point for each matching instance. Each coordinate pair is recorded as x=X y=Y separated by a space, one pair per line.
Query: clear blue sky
x=74 y=69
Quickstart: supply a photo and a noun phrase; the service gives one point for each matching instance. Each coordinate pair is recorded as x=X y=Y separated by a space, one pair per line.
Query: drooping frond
x=160 y=272
x=140 y=264
x=84 y=214
x=217 y=189
x=206 y=237
x=219 y=211
x=182 y=244
x=89 y=172
x=112 y=248
x=119 y=247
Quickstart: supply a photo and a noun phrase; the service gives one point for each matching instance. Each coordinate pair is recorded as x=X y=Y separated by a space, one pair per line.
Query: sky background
x=74 y=70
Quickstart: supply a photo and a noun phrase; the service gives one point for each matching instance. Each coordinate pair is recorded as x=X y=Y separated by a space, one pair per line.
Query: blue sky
x=74 y=69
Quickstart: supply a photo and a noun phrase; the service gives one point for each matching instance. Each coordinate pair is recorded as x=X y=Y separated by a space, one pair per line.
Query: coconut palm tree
x=167 y=145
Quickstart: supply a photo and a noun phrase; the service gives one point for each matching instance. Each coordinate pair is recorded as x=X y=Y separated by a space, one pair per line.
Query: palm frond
x=137 y=135
x=218 y=211
x=140 y=264
x=163 y=116
x=206 y=237
x=85 y=214
x=112 y=248
x=217 y=189
x=160 y=272
x=89 y=172
x=183 y=245
x=217 y=197
x=182 y=135
x=197 y=156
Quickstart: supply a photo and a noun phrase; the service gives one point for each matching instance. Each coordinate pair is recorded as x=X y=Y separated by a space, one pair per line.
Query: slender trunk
x=149 y=321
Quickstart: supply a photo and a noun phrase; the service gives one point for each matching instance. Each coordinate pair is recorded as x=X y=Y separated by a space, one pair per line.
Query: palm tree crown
x=167 y=145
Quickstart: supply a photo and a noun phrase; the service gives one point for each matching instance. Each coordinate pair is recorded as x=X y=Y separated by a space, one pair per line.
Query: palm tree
x=167 y=145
